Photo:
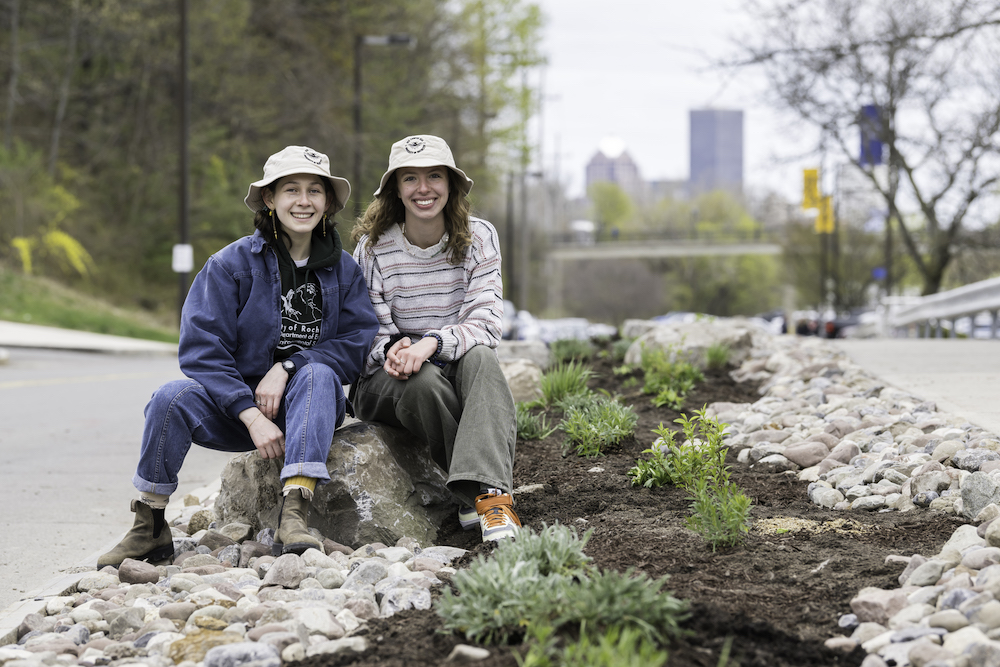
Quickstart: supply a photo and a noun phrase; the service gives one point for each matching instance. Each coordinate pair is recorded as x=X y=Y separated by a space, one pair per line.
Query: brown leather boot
x=148 y=539
x=292 y=536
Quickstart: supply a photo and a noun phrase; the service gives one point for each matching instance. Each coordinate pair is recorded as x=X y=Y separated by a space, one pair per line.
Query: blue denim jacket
x=231 y=322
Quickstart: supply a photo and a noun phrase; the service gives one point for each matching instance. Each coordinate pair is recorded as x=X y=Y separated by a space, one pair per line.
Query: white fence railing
x=929 y=314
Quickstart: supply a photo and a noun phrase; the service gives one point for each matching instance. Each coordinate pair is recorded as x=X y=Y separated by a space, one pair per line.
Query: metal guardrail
x=966 y=301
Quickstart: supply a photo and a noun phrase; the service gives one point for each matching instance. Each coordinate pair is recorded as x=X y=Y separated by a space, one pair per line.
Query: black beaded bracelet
x=440 y=344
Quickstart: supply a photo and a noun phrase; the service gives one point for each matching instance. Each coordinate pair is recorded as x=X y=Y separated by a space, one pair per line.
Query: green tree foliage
x=500 y=42
x=35 y=212
x=98 y=82
x=930 y=67
x=613 y=208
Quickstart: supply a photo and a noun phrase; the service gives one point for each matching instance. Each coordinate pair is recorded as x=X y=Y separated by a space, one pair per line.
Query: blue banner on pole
x=870 y=124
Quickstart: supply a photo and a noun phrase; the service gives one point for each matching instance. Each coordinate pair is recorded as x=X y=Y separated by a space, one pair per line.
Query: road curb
x=18 y=335
x=35 y=601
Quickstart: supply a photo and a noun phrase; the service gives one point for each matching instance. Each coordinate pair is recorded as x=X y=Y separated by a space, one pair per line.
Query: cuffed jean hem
x=148 y=487
x=315 y=470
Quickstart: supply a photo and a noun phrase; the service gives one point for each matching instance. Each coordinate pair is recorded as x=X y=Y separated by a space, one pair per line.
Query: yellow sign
x=810 y=188
x=825 y=220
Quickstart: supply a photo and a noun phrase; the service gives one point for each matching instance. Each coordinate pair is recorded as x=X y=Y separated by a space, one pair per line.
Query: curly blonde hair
x=387 y=209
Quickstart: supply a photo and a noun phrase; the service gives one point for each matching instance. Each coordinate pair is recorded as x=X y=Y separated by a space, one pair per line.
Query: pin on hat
x=422 y=150
x=297 y=160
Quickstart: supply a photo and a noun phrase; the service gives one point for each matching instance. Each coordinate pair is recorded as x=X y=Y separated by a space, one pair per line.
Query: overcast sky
x=633 y=69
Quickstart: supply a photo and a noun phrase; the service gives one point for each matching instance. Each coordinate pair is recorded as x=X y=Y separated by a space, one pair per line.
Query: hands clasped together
x=405 y=358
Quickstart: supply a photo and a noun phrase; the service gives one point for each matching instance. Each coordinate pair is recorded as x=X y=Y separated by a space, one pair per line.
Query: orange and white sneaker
x=496 y=515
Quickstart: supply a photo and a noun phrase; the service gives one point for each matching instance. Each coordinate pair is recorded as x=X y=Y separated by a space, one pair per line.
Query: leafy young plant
x=720 y=509
x=571 y=349
x=673 y=397
x=592 y=428
x=564 y=380
x=652 y=472
x=532 y=426
x=701 y=454
x=721 y=512
x=668 y=381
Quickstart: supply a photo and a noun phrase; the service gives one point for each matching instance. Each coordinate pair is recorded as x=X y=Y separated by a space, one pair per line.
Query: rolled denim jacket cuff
x=239 y=405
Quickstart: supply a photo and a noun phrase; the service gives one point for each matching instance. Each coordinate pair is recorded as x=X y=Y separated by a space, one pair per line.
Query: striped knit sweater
x=417 y=291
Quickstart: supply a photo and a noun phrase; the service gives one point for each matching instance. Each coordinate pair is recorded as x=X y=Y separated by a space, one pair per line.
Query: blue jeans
x=182 y=412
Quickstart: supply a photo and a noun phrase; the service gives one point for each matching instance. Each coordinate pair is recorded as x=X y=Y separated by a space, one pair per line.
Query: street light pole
x=401 y=39
x=183 y=257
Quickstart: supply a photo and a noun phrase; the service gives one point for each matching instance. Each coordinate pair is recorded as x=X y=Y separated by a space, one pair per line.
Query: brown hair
x=387 y=210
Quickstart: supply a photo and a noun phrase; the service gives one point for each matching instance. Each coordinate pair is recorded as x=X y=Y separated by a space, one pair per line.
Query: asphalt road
x=69 y=443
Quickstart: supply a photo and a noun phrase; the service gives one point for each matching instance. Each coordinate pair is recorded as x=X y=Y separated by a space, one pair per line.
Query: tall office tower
x=716 y=150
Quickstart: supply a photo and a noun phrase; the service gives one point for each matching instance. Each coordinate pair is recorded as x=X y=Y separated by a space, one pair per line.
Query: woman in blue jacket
x=273 y=326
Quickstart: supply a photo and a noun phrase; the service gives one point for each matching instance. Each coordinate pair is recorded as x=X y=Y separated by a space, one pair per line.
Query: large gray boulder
x=384 y=486
x=524 y=377
x=689 y=341
x=533 y=350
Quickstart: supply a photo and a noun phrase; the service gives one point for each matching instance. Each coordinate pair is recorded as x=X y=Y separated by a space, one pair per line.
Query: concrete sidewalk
x=15 y=334
x=961 y=376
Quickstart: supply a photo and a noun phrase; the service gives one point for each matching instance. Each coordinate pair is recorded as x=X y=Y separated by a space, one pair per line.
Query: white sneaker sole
x=468 y=518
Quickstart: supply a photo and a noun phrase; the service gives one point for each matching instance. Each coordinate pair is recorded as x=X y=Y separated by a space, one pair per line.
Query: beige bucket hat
x=297 y=160
x=422 y=150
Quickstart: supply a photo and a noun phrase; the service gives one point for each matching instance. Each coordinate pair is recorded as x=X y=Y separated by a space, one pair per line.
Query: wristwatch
x=289 y=367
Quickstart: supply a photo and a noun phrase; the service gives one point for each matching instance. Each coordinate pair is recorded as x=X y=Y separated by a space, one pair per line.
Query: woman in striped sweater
x=433 y=275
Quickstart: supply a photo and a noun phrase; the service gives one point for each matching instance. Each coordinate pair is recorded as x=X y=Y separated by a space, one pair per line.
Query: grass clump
x=564 y=380
x=720 y=509
x=532 y=426
x=668 y=381
x=600 y=423
x=542 y=584
x=717 y=356
x=565 y=350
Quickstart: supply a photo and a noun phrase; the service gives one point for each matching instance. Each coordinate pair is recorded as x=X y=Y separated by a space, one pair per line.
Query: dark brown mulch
x=776 y=597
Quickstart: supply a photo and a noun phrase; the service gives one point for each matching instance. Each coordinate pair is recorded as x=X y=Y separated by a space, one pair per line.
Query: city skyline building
x=716 y=150
x=612 y=163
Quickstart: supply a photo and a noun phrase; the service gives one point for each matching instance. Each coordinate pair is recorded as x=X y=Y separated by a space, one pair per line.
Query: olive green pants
x=464 y=412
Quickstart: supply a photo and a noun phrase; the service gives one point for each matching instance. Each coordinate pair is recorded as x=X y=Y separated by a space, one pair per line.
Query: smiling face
x=299 y=201
x=424 y=192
